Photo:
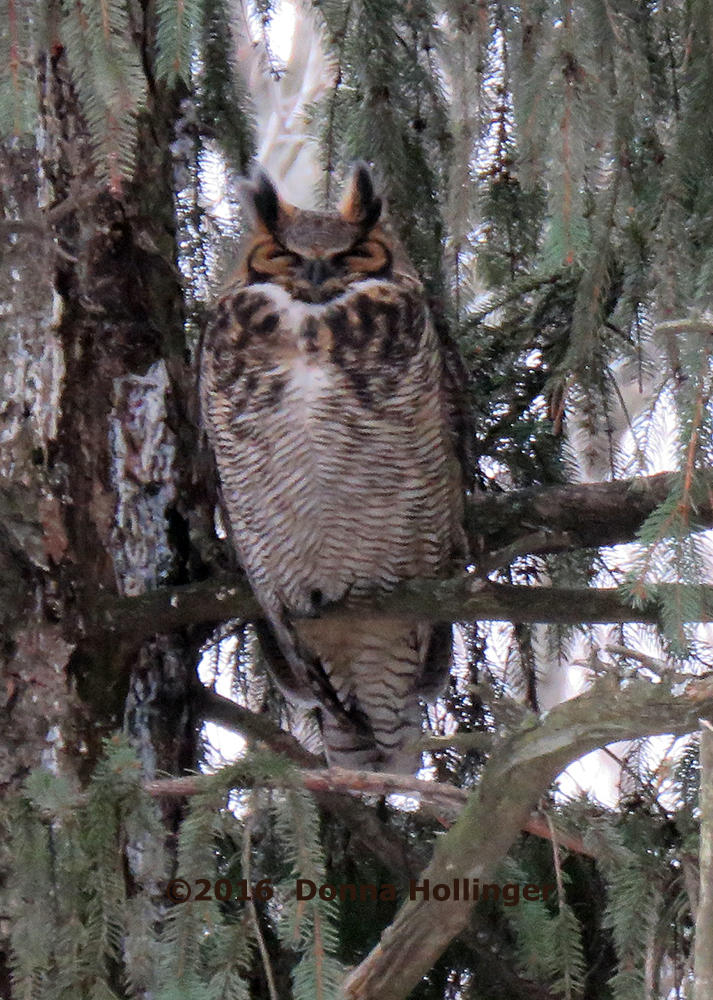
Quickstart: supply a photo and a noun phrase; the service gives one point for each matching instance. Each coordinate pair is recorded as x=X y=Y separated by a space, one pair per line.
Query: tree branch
x=505 y=525
x=563 y=518
x=516 y=776
x=467 y=598
x=253 y=726
x=339 y=780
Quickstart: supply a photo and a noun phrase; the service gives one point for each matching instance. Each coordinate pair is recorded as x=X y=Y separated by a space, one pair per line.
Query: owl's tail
x=366 y=680
x=378 y=669
x=387 y=742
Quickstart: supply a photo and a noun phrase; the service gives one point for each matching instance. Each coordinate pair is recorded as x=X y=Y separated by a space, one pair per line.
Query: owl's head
x=315 y=256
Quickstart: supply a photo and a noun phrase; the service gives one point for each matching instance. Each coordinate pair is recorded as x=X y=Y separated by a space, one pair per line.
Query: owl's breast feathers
x=333 y=436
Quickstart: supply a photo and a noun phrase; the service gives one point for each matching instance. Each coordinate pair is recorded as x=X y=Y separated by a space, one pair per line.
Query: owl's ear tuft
x=359 y=204
x=262 y=201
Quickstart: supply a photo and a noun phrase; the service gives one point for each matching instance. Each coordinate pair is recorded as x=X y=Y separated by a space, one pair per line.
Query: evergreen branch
x=664 y=529
x=703 y=960
x=565 y=128
x=338 y=41
x=702 y=400
x=630 y=914
x=516 y=289
x=18 y=85
x=311 y=925
x=252 y=909
x=224 y=106
x=480 y=740
x=174 y=38
x=571 y=963
x=328 y=785
x=512 y=781
x=670 y=551
x=593 y=288
x=110 y=81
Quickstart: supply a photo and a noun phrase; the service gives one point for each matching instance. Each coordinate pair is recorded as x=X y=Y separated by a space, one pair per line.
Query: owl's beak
x=317 y=271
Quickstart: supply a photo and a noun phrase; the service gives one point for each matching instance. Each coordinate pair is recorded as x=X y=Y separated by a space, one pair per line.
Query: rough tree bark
x=98 y=449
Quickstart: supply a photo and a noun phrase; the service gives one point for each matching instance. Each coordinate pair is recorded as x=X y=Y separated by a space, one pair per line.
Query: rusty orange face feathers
x=315 y=256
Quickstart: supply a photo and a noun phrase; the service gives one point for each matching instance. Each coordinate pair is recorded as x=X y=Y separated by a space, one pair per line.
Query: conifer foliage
x=548 y=166
x=98 y=936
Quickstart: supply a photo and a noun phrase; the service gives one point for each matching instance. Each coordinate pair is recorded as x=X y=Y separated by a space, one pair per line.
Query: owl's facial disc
x=316 y=256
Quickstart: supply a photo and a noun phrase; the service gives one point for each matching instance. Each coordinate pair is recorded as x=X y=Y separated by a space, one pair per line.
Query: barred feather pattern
x=332 y=433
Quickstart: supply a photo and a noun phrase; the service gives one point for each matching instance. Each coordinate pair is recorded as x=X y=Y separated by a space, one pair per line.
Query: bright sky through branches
x=282 y=29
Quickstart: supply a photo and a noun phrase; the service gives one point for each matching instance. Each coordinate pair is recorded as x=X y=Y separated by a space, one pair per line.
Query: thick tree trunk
x=97 y=450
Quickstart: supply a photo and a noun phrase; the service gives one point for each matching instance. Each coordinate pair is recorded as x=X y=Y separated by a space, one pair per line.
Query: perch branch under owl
x=464 y=599
x=605 y=514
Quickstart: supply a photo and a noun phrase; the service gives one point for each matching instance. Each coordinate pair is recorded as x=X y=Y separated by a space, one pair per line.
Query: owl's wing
x=460 y=411
x=438 y=655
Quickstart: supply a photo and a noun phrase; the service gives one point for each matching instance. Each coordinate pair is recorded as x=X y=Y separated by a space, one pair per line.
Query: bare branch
x=341 y=781
x=652 y=662
x=674 y=327
x=253 y=725
x=563 y=518
x=467 y=598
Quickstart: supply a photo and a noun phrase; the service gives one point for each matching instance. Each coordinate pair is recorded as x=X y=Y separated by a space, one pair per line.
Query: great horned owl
x=328 y=403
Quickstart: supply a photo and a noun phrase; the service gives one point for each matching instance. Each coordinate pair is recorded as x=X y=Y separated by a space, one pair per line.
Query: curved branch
x=516 y=776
